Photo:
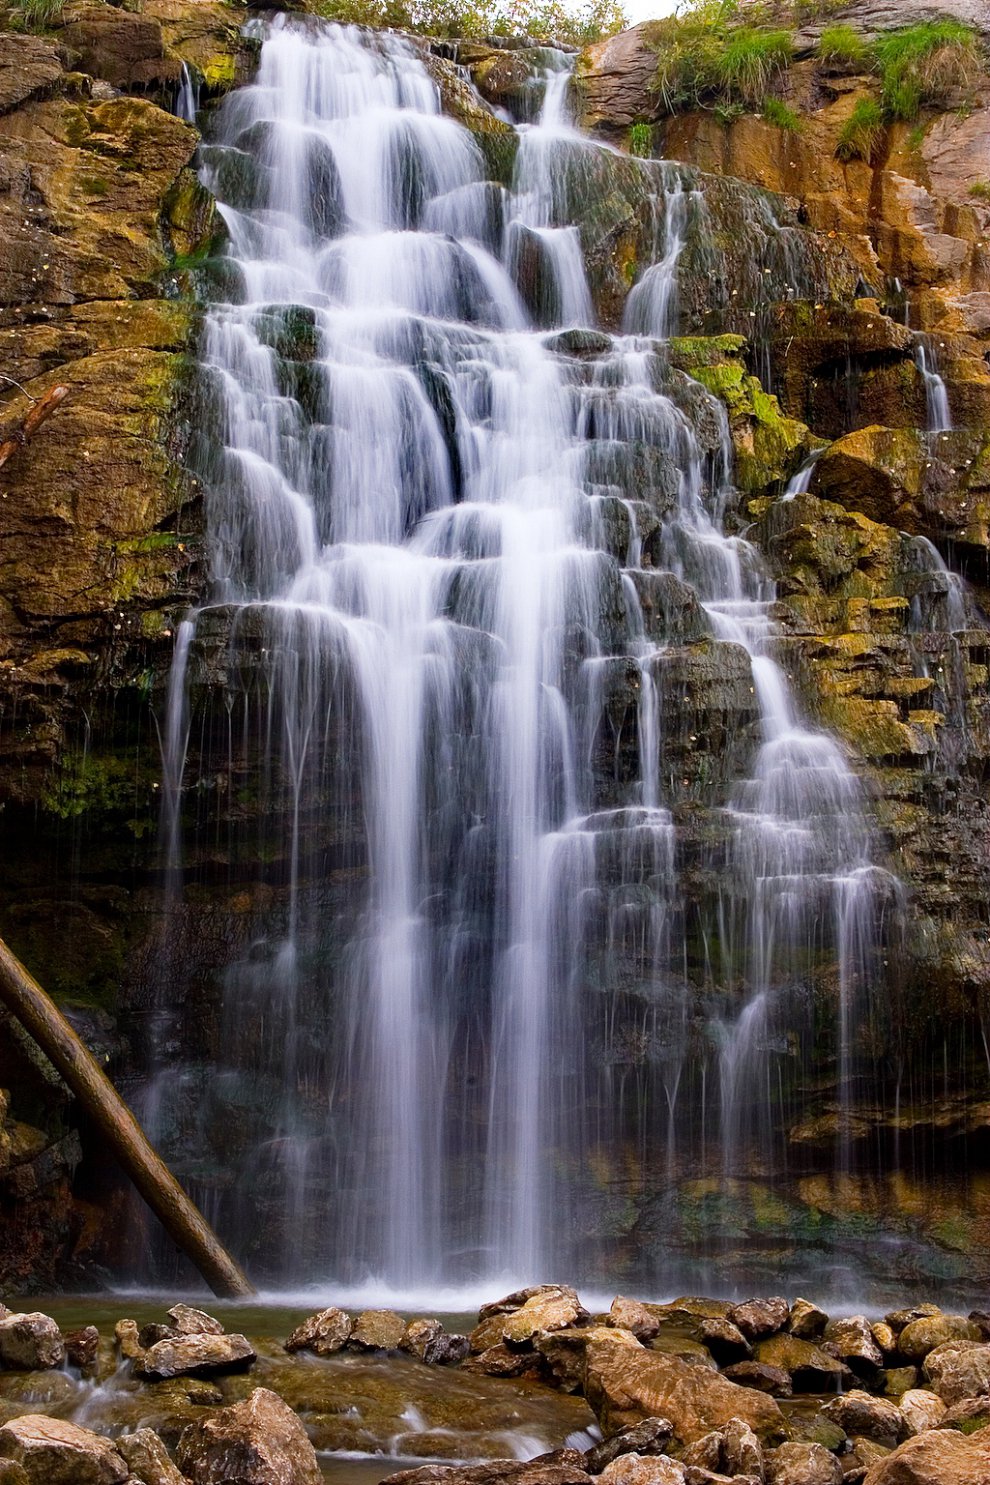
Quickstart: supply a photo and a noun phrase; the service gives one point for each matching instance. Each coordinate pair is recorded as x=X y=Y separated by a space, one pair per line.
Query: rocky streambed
x=539 y=1391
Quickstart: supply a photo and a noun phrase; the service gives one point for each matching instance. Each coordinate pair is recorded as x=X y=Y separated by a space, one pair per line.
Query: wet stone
x=806 y=1321
x=200 y=1355
x=770 y=1379
x=863 y=1416
x=725 y=1341
x=82 y=1347
x=53 y=1452
x=758 y=1318
x=31 y=1342
x=649 y=1437
x=322 y=1333
x=188 y=1321
x=377 y=1330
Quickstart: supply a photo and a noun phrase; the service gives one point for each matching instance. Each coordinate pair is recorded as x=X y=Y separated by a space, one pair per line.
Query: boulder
x=630 y=1314
x=884 y=1336
x=632 y=1469
x=195 y=1355
x=323 y=1333
x=128 y=1339
x=810 y=1368
x=564 y=1351
x=935 y=1458
x=923 y=1335
x=770 y=1379
x=732 y=1450
x=419 y=1336
x=758 y=1318
x=82 y=1347
x=725 y=1341
x=851 y=1339
x=967 y=1416
x=562 y=1467
x=922 y=1409
x=550 y=1308
x=501 y=1361
x=806 y=1320
x=959 y=1369
x=447 y=1350
x=863 y=1416
x=377 y=1330
x=256 y=1442
x=899 y=1379
x=802 y=1464
x=187 y=1321
x=31 y=1342
x=649 y=1437
x=148 y=1459
x=53 y=1452
x=625 y=1385
x=897 y=1319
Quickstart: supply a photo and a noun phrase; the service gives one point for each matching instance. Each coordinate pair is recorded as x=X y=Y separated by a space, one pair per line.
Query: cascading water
x=456 y=566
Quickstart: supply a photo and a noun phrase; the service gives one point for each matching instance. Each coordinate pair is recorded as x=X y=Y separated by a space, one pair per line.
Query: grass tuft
x=35 y=15
x=860 y=134
x=782 y=115
x=924 y=64
x=842 y=44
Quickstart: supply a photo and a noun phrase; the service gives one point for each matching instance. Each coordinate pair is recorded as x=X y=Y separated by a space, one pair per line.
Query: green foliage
x=777 y=112
x=980 y=189
x=34 y=15
x=706 y=59
x=101 y=787
x=923 y=64
x=860 y=134
x=540 y=20
x=843 y=44
x=641 y=140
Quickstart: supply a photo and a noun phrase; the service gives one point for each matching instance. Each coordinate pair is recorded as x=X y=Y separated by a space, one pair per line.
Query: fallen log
x=42 y=409
x=181 y=1218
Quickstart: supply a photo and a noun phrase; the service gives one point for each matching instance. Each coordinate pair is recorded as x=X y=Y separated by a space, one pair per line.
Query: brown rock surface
x=256 y=1442
x=935 y=1458
x=53 y=1452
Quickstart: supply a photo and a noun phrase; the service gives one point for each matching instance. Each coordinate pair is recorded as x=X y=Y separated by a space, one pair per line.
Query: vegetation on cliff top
x=547 y=21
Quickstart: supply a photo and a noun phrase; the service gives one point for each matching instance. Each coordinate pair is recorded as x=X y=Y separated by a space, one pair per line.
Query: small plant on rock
x=35 y=15
x=782 y=115
x=641 y=140
x=980 y=189
x=842 y=45
x=924 y=64
x=860 y=134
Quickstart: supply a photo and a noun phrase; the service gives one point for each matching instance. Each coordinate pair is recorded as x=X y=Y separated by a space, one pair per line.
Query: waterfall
x=939 y=418
x=455 y=568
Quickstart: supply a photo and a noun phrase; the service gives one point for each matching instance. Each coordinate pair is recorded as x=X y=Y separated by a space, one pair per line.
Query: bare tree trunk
x=39 y=412
x=182 y=1220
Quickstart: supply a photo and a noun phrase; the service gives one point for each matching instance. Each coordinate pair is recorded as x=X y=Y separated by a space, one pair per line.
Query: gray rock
x=188 y=1321
x=649 y=1437
x=31 y=1342
x=195 y=1355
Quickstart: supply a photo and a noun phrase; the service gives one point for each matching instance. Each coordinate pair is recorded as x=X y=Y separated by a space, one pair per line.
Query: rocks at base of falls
x=192 y=1344
x=260 y=1441
x=331 y=1330
x=53 y=1452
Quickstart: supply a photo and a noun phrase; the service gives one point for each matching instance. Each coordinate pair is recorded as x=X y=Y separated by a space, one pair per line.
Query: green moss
x=90 y=784
x=220 y=73
x=688 y=352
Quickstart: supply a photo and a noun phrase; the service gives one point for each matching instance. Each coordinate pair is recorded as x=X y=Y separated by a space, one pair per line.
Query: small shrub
x=844 y=45
x=980 y=189
x=779 y=113
x=923 y=64
x=540 y=20
x=751 y=61
x=860 y=134
x=35 y=15
x=706 y=60
x=727 y=113
x=641 y=140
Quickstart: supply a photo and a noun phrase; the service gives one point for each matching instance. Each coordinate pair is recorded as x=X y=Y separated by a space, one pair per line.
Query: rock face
x=939 y=1458
x=257 y=1442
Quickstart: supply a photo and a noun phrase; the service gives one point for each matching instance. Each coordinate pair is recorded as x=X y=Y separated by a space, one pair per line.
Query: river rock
x=53 y=1452
x=549 y=1308
x=196 y=1355
x=148 y=1459
x=967 y=1416
x=959 y=1369
x=758 y=1318
x=447 y=1350
x=256 y=1442
x=187 y=1321
x=851 y=1339
x=323 y=1333
x=806 y=1320
x=863 y=1416
x=632 y=1469
x=899 y=1379
x=922 y=1409
x=624 y=1385
x=377 y=1330
x=884 y=1336
x=923 y=1335
x=31 y=1342
x=82 y=1347
x=770 y=1379
x=630 y=1314
x=649 y=1437
x=802 y=1464
x=938 y=1457
x=128 y=1339
x=897 y=1319
x=561 y=1467
x=564 y=1351
x=732 y=1450
x=809 y=1367
x=502 y=1361
x=519 y=1297
x=725 y=1341
x=419 y=1336
x=12 y=1473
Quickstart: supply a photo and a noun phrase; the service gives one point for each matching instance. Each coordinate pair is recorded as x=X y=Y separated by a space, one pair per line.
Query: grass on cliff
x=862 y=131
x=925 y=64
x=844 y=45
x=545 y=21
x=706 y=59
x=34 y=15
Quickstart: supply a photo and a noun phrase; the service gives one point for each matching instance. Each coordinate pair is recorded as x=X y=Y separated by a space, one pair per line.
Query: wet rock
x=53 y=1452
x=806 y=1320
x=82 y=1347
x=187 y=1321
x=863 y=1416
x=564 y=1351
x=758 y=1318
x=899 y=1379
x=549 y=1308
x=30 y=1342
x=897 y=1319
x=732 y=1450
x=770 y=1379
x=128 y=1339
x=561 y=1467
x=884 y=1336
x=501 y=1361
x=12 y=1473
x=959 y=1369
x=155 y=1331
x=614 y=80
x=447 y=1350
x=419 y=1336
x=632 y=1469
x=256 y=1442
x=923 y=1335
x=147 y=1458
x=968 y=1416
x=196 y=1355
x=802 y=1464
x=725 y=1341
x=377 y=1330
x=922 y=1409
x=649 y=1437
x=809 y=1367
x=624 y=1385
x=851 y=1339
x=863 y=1453
x=323 y=1333
x=935 y=1458
x=631 y=1315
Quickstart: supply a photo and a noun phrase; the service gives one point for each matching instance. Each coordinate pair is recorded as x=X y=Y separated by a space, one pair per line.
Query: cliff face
x=103 y=232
